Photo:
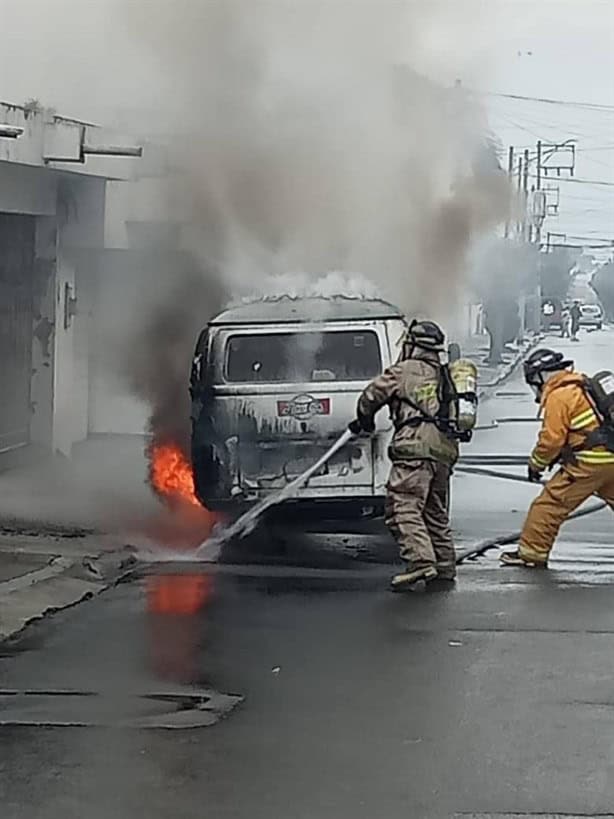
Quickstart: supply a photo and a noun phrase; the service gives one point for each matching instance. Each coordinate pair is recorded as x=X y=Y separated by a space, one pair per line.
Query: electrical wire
x=587 y=106
x=574 y=180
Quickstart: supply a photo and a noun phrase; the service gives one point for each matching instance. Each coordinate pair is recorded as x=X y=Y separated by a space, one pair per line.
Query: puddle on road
x=88 y=709
x=148 y=673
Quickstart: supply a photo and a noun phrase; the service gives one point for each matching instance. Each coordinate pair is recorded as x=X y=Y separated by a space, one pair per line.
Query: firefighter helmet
x=540 y=362
x=424 y=334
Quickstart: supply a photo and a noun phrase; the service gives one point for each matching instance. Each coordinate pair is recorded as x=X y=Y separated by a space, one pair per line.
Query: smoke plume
x=305 y=141
x=305 y=137
x=313 y=146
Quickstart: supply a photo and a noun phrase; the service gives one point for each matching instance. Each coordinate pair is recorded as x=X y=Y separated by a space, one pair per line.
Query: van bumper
x=308 y=509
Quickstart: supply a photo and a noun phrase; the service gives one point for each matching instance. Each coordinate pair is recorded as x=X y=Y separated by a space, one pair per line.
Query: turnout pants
x=417 y=515
x=563 y=493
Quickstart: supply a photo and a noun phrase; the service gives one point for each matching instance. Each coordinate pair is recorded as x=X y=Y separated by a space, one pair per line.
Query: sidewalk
x=476 y=348
x=41 y=575
x=52 y=516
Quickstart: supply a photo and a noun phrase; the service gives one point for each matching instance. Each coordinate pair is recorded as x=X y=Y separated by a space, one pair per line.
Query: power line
x=606 y=165
x=590 y=106
x=574 y=180
x=517 y=125
x=574 y=129
x=590 y=237
x=584 y=246
x=595 y=198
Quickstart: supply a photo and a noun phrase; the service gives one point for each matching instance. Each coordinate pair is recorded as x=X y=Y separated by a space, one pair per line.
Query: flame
x=171 y=475
x=186 y=523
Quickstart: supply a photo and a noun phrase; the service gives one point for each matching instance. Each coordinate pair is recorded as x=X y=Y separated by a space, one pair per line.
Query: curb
x=61 y=585
x=510 y=368
x=55 y=567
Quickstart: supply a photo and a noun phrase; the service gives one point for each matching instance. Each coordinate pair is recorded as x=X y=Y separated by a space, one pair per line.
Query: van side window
x=305 y=357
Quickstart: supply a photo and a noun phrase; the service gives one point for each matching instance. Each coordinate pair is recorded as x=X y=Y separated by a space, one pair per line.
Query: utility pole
x=557 y=157
x=519 y=188
x=510 y=171
x=538 y=222
x=526 y=233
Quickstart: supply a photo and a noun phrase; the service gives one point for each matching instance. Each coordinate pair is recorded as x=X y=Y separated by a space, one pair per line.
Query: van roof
x=290 y=310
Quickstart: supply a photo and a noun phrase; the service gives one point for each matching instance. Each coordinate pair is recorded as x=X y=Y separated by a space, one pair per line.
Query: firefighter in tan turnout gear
x=422 y=454
x=577 y=432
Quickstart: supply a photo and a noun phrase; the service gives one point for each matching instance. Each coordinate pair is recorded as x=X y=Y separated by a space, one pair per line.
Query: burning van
x=274 y=383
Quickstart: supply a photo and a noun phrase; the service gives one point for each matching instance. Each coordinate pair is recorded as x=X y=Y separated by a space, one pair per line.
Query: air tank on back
x=464 y=376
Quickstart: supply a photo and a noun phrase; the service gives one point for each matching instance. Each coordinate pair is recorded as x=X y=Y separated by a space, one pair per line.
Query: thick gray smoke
x=307 y=143
x=314 y=146
x=307 y=138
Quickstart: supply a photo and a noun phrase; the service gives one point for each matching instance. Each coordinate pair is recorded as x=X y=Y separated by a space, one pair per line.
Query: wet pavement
x=314 y=692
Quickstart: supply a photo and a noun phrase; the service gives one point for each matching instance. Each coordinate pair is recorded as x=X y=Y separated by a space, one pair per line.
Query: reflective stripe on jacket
x=411 y=388
x=568 y=418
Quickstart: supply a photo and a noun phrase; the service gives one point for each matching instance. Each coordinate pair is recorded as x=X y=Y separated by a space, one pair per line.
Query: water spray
x=209 y=550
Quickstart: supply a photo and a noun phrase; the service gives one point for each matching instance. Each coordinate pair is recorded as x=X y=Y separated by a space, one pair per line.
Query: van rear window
x=342 y=355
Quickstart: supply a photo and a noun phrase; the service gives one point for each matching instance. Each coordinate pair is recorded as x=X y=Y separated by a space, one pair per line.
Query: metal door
x=16 y=283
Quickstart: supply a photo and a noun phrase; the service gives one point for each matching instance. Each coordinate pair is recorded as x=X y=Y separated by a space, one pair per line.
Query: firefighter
x=569 y=435
x=422 y=455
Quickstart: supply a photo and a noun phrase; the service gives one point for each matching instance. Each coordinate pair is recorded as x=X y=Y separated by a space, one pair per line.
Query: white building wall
x=73 y=389
x=27 y=190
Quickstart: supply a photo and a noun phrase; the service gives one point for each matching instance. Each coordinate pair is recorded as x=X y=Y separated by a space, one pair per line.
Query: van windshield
x=343 y=355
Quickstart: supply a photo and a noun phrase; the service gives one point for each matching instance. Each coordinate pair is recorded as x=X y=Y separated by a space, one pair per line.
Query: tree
x=603 y=284
x=506 y=269
x=554 y=272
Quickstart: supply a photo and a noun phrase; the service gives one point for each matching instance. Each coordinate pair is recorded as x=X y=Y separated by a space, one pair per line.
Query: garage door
x=16 y=281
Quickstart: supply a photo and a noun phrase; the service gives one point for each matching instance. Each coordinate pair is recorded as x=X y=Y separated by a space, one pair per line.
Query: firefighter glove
x=355 y=427
x=534 y=475
x=359 y=425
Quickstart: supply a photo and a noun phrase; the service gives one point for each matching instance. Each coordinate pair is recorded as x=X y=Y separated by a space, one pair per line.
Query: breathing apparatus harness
x=599 y=392
x=427 y=335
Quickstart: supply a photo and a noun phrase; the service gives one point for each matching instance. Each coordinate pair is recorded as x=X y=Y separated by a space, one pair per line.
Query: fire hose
x=505 y=540
x=243 y=525
x=209 y=550
x=493 y=460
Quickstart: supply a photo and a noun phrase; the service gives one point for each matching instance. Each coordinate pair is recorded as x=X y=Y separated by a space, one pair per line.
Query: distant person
x=565 y=322
x=575 y=313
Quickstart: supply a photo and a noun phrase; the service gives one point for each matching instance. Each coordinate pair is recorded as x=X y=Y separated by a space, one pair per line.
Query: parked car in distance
x=552 y=317
x=592 y=316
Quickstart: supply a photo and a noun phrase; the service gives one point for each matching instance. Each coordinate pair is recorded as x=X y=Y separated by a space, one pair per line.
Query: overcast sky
x=561 y=50
x=65 y=53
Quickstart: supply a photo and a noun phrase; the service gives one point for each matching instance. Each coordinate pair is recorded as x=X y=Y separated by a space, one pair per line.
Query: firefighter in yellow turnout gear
x=569 y=435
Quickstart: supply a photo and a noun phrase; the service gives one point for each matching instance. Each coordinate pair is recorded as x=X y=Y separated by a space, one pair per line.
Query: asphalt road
x=494 y=700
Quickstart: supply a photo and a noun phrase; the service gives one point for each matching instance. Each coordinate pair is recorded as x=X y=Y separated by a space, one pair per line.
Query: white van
x=274 y=382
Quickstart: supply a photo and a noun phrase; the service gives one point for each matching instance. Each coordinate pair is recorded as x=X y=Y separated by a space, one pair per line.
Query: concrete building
x=54 y=173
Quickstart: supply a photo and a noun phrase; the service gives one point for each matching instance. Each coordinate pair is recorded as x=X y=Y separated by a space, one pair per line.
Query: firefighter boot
x=516 y=559
x=405 y=580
